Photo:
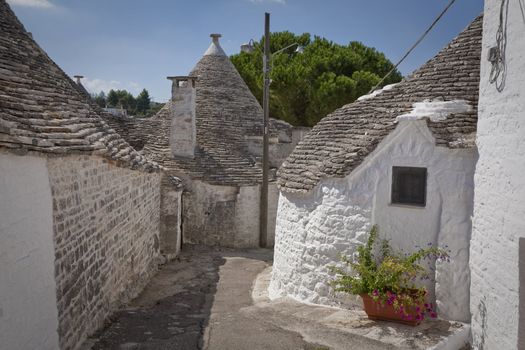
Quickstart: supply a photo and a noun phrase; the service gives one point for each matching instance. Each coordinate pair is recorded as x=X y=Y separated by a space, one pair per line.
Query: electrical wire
x=414 y=46
x=498 y=72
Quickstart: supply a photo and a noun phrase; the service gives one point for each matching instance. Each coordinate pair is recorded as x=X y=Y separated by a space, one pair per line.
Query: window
x=409 y=186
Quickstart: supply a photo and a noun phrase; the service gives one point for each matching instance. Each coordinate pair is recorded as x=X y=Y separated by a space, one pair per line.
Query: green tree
x=305 y=87
x=126 y=101
x=143 y=102
x=112 y=98
x=100 y=99
x=154 y=108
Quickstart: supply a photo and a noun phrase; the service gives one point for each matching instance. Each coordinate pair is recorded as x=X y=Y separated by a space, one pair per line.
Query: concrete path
x=216 y=299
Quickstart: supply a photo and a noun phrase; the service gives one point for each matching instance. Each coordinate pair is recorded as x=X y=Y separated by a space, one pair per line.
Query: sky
x=135 y=44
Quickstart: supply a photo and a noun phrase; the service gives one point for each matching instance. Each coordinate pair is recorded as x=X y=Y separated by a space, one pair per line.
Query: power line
x=498 y=72
x=415 y=44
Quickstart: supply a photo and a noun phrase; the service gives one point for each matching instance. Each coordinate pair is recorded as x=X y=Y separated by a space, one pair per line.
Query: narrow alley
x=215 y=298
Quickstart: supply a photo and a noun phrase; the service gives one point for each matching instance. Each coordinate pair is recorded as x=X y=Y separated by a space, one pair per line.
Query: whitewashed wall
x=499 y=209
x=28 y=310
x=337 y=214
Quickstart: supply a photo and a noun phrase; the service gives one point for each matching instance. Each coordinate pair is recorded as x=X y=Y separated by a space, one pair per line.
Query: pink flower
x=433 y=315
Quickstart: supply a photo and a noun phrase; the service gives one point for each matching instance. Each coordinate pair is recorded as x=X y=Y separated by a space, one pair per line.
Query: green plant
x=389 y=277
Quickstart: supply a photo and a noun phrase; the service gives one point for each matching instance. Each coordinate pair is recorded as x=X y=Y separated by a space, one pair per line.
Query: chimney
x=215 y=38
x=78 y=77
x=215 y=48
x=183 y=134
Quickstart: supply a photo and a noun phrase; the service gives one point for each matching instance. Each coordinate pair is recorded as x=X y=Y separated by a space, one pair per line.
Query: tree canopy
x=140 y=105
x=306 y=87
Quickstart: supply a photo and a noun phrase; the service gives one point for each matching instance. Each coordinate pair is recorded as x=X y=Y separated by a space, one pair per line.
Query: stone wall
x=273 y=201
x=499 y=208
x=183 y=132
x=170 y=219
x=336 y=215
x=221 y=215
x=28 y=313
x=106 y=235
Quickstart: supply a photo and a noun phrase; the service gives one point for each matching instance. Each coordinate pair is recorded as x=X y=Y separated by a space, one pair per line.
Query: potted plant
x=386 y=280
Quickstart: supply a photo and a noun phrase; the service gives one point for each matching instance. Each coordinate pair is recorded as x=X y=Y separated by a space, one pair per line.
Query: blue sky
x=131 y=44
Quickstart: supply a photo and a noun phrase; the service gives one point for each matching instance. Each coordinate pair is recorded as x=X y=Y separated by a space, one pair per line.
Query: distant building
x=117 y=112
x=403 y=159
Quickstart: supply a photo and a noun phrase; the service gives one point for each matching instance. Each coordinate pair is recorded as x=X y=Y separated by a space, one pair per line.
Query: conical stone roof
x=42 y=109
x=225 y=104
x=342 y=140
x=226 y=113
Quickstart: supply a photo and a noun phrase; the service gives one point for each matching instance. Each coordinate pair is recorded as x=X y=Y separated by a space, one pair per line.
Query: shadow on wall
x=174 y=310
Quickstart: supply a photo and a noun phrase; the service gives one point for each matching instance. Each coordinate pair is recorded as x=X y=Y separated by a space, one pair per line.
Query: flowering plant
x=389 y=277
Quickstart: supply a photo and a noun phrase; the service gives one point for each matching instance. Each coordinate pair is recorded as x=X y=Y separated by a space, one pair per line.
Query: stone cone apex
x=226 y=107
x=215 y=48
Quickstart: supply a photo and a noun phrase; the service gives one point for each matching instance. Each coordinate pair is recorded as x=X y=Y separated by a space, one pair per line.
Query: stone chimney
x=183 y=133
x=78 y=77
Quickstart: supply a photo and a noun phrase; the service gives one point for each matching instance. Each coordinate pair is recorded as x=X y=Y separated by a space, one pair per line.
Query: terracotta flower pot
x=384 y=312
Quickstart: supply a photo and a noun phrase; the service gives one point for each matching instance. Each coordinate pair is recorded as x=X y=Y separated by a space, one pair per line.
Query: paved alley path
x=194 y=302
x=216 y=299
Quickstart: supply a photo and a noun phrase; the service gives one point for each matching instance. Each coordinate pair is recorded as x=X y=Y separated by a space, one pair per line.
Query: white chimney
x=183 y=135
x=215 y=48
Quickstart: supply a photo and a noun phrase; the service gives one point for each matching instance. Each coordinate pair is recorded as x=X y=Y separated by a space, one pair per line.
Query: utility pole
x=263 y=215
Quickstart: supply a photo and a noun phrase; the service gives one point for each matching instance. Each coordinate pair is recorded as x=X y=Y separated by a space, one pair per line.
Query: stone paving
x=211 y=298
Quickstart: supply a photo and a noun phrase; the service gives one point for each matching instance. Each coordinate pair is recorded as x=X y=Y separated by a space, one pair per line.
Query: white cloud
x=96 y=85
x=32 y=3
x=274 y=1
x=134 y=87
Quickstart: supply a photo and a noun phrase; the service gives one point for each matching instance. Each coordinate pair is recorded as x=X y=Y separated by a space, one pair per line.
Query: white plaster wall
x=337 y=214
x=28 y=309
x=499 y=208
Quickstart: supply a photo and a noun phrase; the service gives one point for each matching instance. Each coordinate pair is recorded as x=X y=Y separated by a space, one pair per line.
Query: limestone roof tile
x=342 y=140
x=226 y=114
x=42 y=109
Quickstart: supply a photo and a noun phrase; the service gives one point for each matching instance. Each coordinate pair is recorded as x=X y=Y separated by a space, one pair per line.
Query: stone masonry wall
x=499 y=206
x=335 y=217
x=170 y=219
x=221 y=215
x=106 y=233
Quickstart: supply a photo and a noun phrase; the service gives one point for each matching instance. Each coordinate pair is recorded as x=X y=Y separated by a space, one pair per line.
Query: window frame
x=395 y=196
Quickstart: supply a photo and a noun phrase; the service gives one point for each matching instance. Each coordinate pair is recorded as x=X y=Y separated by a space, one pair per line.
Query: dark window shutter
x=409 y=186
